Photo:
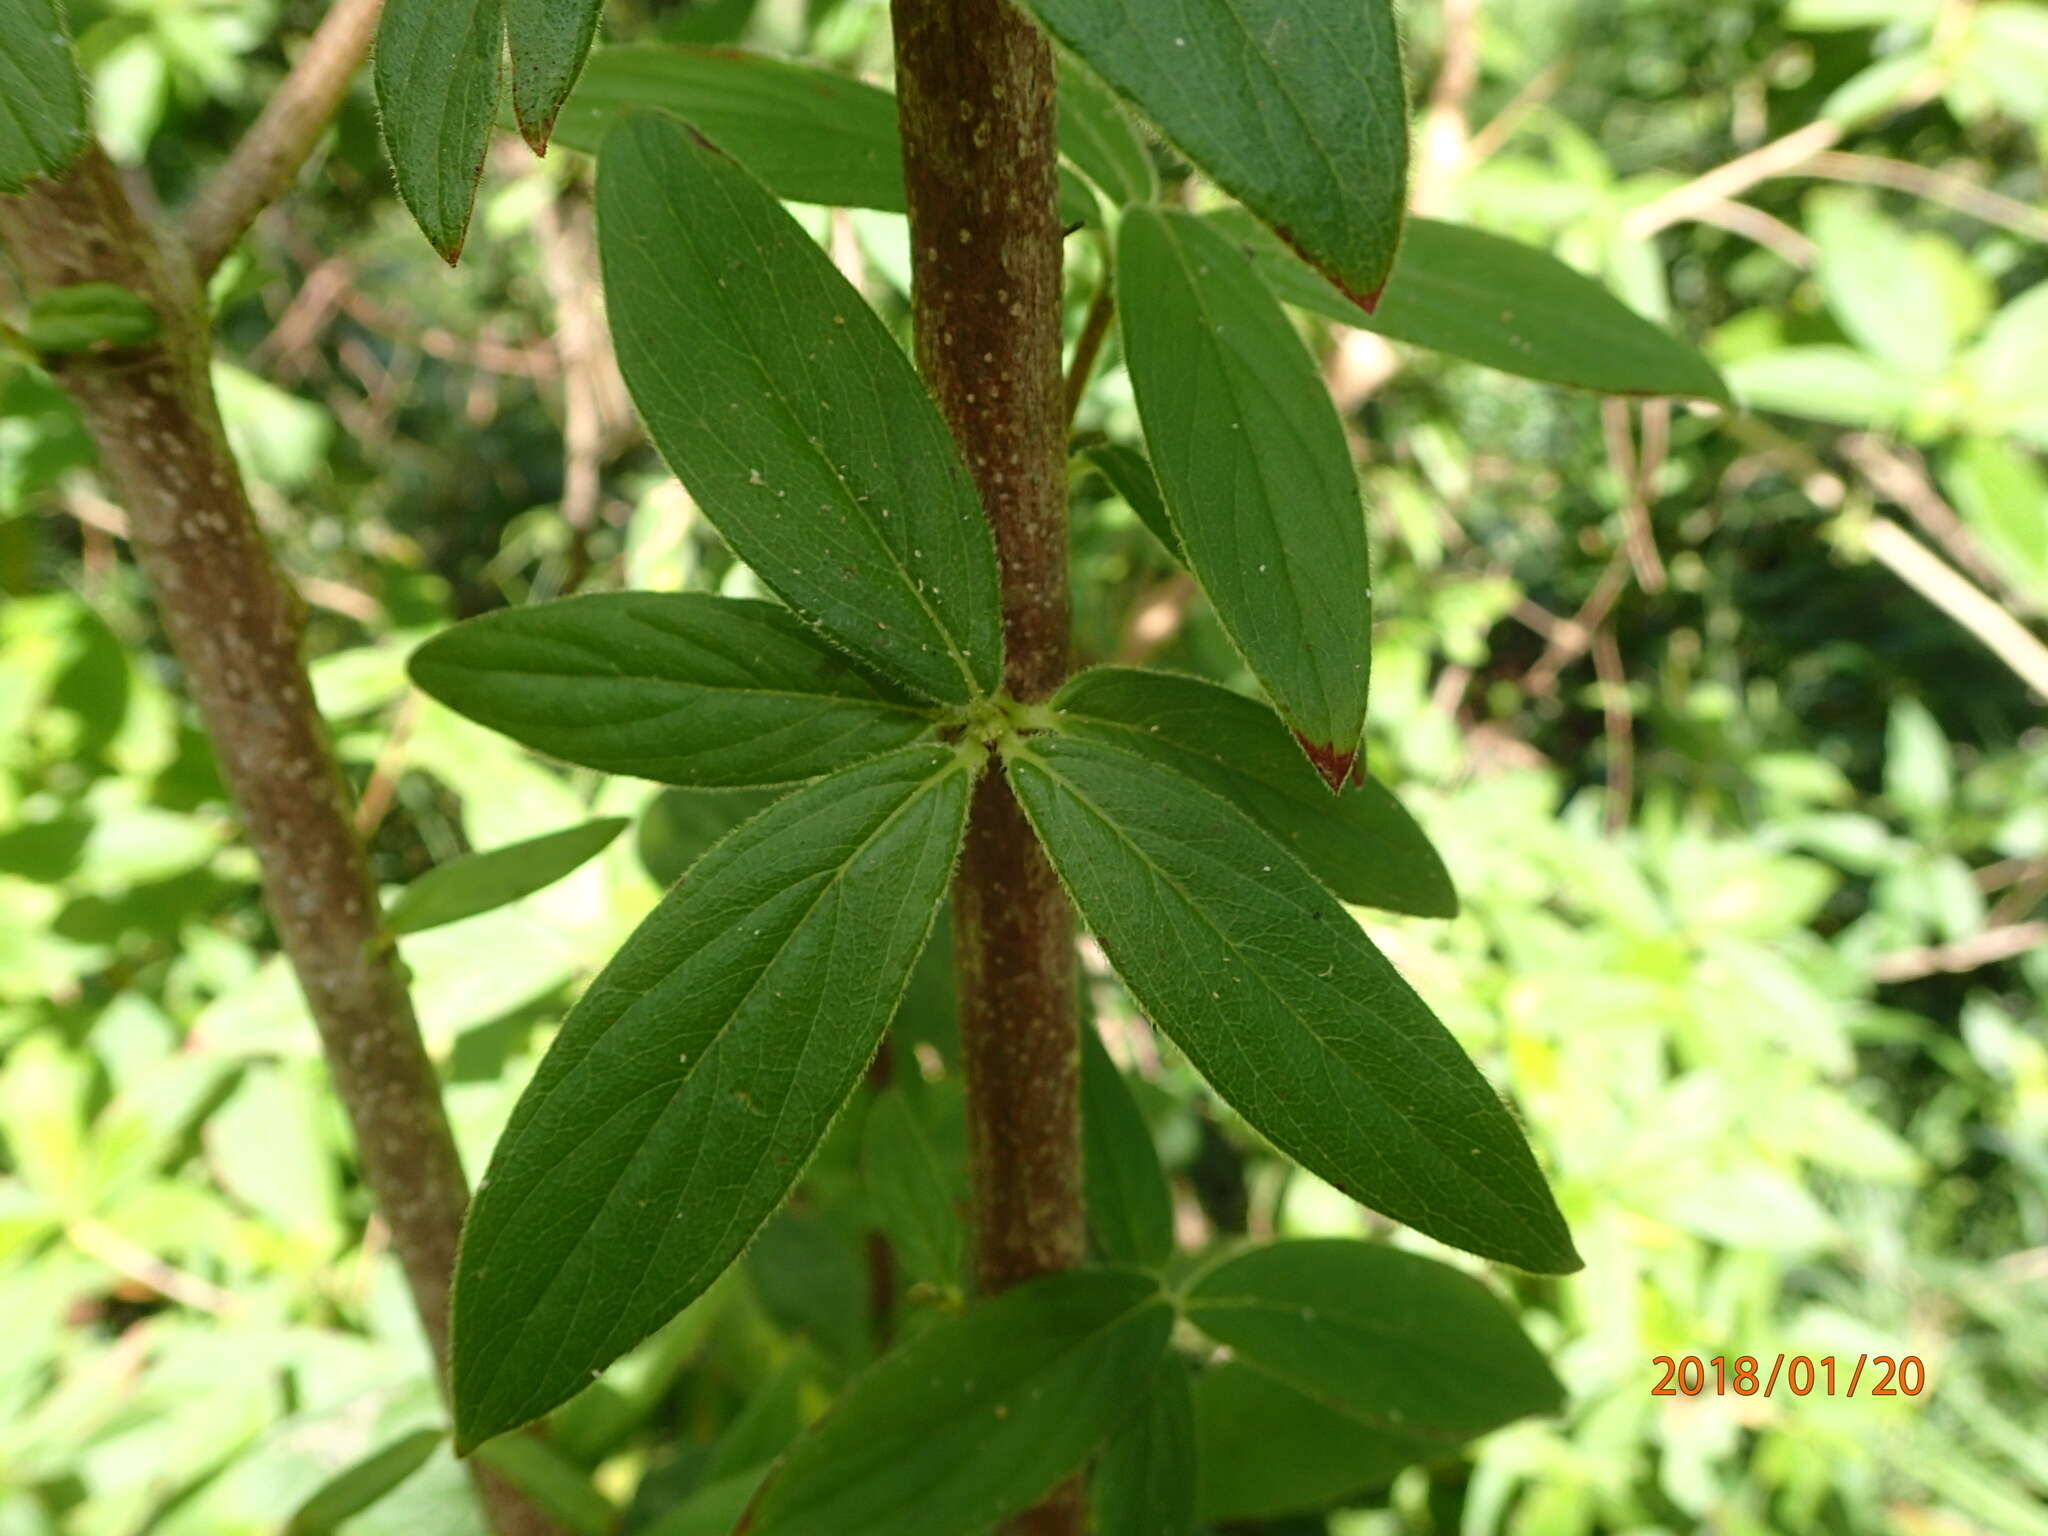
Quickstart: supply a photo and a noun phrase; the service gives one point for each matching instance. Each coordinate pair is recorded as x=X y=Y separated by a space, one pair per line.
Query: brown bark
x=976 y=104
x=235 y=627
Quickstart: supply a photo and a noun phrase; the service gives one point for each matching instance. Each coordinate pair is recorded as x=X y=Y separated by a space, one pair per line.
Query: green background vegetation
x=1751 y=867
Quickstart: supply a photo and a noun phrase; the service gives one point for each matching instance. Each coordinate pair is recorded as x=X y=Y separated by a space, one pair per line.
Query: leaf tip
x=1336 y=766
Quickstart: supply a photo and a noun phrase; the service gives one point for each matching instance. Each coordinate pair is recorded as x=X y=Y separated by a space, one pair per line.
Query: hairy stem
x=235 y=626
x=975 y=94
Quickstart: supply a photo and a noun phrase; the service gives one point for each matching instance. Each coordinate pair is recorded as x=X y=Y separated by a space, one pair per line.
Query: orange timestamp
x=1803 y=1375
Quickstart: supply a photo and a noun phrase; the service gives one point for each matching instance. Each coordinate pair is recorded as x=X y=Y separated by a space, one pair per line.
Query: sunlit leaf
x=1279 y=1000
x=683 y=688
x=42 y=101
x=1256 y=472
x=439 y=69
x=1361 y=843
x=497 y=877
x=791 y=414
x=1296 y=107
x=694 y=1080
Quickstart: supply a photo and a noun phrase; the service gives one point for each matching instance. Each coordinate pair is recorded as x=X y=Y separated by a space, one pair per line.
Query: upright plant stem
x=235 y=626
x=975 y=87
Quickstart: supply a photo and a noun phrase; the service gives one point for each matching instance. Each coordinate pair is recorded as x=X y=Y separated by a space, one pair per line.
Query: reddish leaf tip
x=1335 y=766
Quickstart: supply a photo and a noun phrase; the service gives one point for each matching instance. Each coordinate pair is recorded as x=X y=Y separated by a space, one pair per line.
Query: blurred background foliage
x=1749 y=811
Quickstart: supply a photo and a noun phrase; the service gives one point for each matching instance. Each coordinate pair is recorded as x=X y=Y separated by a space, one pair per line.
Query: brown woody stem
x=235 y=626
x=976 y=103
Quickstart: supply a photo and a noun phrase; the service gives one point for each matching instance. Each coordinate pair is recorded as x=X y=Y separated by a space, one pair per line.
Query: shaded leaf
x=1296 y=107
x=1282 y=1003
x=694 y=1080
x=1255 y=469
x=1130 y=1208
x=42 y=100
x=1308 y=1456
x=683 y=688
x=1399 y=1342
x=910 y=1191
x=976 y=1417
x=439 y=67
x=1490 y=300
x=1145 y=1479
x=482 y=882
x=1361 y=843
x=349 y=1492
x=549 y=41
x=1130 y=475
x=791 y=415
x=1097 y=137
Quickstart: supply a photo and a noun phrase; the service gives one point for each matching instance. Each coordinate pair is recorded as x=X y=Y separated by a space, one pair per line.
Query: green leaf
x=89 y=315
x=2003 y=495
x=694 y=1080
x=791 y=415
x=1097 y=136
x=680 y=824
x=1145 y=1479
x=1825 y=383
x=1361 y=843
x=1130 y=475
x=1474 y=295
x=1283 y=1004
x=975 y=1418
x=483 y=882
x=1130 y=1207
x=909 y=1191
x=438 y=68
x=809 y=135
x=42 y=101
x=1399 y=1342
x=549 y=40
x=683 y=688
x=354 y=1489
x=1882 y=285
x=1255 y=468
x=1296 y=107
x=1309 y=1454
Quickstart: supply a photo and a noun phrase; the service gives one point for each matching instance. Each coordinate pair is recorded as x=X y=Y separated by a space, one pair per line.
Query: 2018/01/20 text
x=1690 y=1376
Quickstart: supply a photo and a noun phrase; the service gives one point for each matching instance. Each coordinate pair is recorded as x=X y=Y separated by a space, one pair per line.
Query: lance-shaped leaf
x=1131 y=477
x=809 y=134
x=1097 y=137
x=1397 y=1341
x=42 y=101
x=788 y=410
x=1145 y=1479
x=1282 y=1003
x=483 y=882
x=909 y=1191
x=1297 y=107
x=975 y=1418
x=439 y=69
x=549 y=41
x=1309 y=1454
x=1495 y=301
x=1256 y=472
x=1130 y=1208
x=683 y=688
x=361 y=1484
x=1361 y=844
x=694 y=1080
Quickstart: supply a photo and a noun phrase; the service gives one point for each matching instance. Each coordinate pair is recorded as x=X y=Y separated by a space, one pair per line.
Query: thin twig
x=1446 y=132
x=382 y=784
x=1088 y=348
x=1731 y=180
x=1506 y=123
x=1619 y=721
x=1633 y=475
x=1942 y=585
x=271 y=153
x=1981 y=949
x=1934 y=186
x=1773 y=234
x=134 y=1262
x=1572 y=638
x=1902 y=481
